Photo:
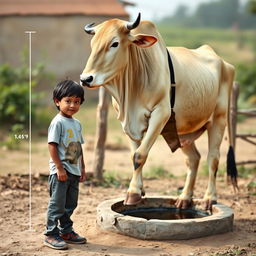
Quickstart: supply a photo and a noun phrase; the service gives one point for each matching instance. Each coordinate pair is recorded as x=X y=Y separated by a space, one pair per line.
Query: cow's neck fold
x=127 y=87
x=131 y=89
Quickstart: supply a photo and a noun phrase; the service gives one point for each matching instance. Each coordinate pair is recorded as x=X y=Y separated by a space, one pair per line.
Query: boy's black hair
x=68 y=88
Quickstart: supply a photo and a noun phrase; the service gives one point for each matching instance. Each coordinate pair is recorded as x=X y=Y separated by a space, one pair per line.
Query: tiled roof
x=62 y=7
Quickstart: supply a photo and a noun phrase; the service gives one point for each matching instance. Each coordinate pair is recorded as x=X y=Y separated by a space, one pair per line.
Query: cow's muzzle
x=86 y=81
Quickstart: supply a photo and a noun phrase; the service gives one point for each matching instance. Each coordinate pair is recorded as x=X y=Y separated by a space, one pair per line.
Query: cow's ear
x=142 y=40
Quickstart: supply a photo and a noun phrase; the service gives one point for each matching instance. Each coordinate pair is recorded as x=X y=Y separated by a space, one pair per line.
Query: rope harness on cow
x=169 y=132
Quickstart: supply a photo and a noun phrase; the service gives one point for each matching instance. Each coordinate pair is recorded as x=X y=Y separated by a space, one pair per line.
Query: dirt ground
x=19 y=237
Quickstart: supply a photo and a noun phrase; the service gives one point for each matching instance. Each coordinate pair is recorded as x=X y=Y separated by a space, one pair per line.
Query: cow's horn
x=132 y=25
x=89 y=29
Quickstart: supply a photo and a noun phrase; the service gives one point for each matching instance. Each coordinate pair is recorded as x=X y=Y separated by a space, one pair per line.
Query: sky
x=157 y=9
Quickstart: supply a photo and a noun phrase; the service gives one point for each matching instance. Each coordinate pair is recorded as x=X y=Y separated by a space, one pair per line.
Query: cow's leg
x=192 y=162
x=135 y=190
x=215 y=135
x=156 y=123
x=216 y=132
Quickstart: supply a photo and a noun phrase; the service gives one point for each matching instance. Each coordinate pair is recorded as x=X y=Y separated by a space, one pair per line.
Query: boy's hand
x=83 y=175
x=62 y=174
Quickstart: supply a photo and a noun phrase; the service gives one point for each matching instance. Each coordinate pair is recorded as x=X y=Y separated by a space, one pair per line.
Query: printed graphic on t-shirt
x=74 y=149
x=73 y=152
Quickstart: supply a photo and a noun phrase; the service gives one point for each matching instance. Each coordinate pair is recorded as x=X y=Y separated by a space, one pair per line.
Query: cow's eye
x=115 y=44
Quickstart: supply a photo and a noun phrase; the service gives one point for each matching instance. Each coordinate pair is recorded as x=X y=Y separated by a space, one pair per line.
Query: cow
x=130 y=60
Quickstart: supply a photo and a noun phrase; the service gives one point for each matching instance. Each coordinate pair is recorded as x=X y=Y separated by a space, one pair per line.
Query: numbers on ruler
x=21 y=136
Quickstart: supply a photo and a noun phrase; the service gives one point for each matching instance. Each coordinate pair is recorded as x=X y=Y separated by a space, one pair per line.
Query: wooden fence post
x=101 y=134
x=233 y=113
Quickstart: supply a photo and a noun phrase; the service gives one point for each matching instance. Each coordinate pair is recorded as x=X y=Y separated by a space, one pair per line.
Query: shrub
x=156 y=172
x=246 y=76
x=14 y=97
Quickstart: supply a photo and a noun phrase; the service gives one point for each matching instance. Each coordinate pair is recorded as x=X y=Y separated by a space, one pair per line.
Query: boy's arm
x=61 y=173
x=83 y=176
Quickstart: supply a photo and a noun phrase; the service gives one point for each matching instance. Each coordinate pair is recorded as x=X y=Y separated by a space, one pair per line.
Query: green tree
x=217 y=14
x=248 y=17
x=180 y=16
x=252 y=6
x=221 y=13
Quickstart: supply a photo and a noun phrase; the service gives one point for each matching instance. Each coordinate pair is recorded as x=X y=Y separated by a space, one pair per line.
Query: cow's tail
x=231 y=163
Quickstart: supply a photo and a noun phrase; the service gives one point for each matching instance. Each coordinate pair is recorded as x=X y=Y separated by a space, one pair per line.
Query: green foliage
x=248 y=17
x=215 y=14
x=12 y=142
x=156 y=172
x=43 y=116
x=192 y=38
x=14 y=97
x=252 y=185
x=245 y=172
x=246 y=74
x=220 y=13
x=252 y=6
x=14 y=94
x=110 y=179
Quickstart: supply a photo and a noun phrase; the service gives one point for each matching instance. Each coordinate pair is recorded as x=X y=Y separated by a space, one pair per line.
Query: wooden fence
x=234 y=111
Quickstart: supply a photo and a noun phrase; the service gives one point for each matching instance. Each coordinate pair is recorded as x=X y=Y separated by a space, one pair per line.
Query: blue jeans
x=63 y=201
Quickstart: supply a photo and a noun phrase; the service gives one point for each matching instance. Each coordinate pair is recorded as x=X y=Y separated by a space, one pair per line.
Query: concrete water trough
x=157 y=218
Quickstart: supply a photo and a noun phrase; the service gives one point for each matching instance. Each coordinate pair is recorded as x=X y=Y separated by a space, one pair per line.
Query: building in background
x=60 y=42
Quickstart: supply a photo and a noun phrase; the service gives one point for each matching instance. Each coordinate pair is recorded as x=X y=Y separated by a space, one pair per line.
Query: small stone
x=252 y=245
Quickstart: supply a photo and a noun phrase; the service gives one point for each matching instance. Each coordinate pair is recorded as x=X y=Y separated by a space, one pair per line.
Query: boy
x=66 y=166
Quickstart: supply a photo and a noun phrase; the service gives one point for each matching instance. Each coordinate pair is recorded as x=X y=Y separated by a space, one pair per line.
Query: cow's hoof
x=132 y=199
x=183 y=204
x=208 y=204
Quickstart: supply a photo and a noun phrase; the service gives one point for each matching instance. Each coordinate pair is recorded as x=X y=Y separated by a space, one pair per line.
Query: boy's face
x=68 y=105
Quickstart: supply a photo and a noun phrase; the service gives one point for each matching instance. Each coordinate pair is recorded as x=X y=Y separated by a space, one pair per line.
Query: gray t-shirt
x=67 y=133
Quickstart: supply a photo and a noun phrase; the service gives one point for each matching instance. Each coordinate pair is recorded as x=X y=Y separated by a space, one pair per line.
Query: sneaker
x=73 y=238
x=55 y=242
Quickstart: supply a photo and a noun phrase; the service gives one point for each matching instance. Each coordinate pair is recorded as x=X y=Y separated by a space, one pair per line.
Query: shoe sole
x=56 y=248
x=72 y=242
